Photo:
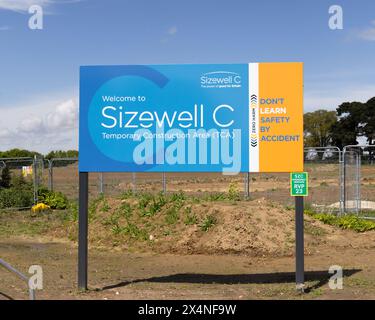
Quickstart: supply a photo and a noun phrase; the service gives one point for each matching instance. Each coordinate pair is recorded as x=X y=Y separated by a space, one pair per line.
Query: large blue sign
x=164 y=118
x=218 y=117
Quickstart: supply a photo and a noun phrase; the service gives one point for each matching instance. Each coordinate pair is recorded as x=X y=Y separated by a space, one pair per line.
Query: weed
x=93 y=207
x=127 y=194
x=233 y=193
x=208 y=222
x=216 y=196
x=172 y=215
x=105 y=206
x=126 y=210
x=313 y=230
x=190 y=218
x=72 y=212
x=149 y=205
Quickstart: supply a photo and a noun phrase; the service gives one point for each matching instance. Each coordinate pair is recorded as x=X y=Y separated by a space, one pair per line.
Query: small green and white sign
x=299 y=184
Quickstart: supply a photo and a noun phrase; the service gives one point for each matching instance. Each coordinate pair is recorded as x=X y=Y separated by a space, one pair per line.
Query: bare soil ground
x=124 y=275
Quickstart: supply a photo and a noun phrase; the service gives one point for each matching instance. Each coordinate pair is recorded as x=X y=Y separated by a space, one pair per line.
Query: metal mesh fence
x=359 y=185
x=324 y=168
x=351 y=185
x=337 y=180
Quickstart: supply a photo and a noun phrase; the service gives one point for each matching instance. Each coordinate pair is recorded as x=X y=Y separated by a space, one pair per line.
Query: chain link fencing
x=339 y=181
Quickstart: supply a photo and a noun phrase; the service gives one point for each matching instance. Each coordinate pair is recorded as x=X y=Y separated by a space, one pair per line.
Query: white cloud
x=40 y=127
x=65 y=116
x=4 y=133
x=30 y=125
x=367 y=34
x=22 y=5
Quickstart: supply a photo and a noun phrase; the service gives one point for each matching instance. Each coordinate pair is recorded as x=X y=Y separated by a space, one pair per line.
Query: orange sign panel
x=276 y=127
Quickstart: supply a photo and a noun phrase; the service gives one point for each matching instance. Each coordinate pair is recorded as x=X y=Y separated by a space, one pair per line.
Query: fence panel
x=359 y=185
x=324 y=168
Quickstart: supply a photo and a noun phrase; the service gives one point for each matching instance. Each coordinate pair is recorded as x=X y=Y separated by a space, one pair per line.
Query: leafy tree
x=344 y=132
x=318 y=128
x=368 y=123
x=355 y=120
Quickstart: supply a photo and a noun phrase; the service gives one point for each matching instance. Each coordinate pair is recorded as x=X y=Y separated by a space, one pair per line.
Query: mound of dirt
x=191 y=226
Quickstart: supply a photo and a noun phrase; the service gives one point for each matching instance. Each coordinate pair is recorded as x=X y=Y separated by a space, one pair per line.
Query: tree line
x=22 y=153
x=342 y=127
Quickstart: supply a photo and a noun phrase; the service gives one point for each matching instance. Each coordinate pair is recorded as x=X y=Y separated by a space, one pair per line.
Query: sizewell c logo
x=221 y=79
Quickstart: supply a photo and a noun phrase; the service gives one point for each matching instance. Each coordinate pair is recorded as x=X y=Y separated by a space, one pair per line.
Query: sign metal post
x=300 y=259
x=299 y=189
x=83 y=230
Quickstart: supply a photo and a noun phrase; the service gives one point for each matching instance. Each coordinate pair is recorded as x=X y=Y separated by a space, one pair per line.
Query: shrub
x=17 y=193
x=349 y=221
x=56 y=200
x=18 y=182
x=16 y=198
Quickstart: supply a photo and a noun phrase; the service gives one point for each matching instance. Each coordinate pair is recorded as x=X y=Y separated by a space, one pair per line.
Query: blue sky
x=39 y=68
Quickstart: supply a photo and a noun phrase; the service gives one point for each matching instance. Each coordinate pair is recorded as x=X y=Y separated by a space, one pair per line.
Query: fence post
x=164 y=182
x=101 y=186
x=247 y=185
x=341 y=182
x=50 y=174
x=344 y=180
x=358 y=176
x=35 y=171
x=134 y=181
